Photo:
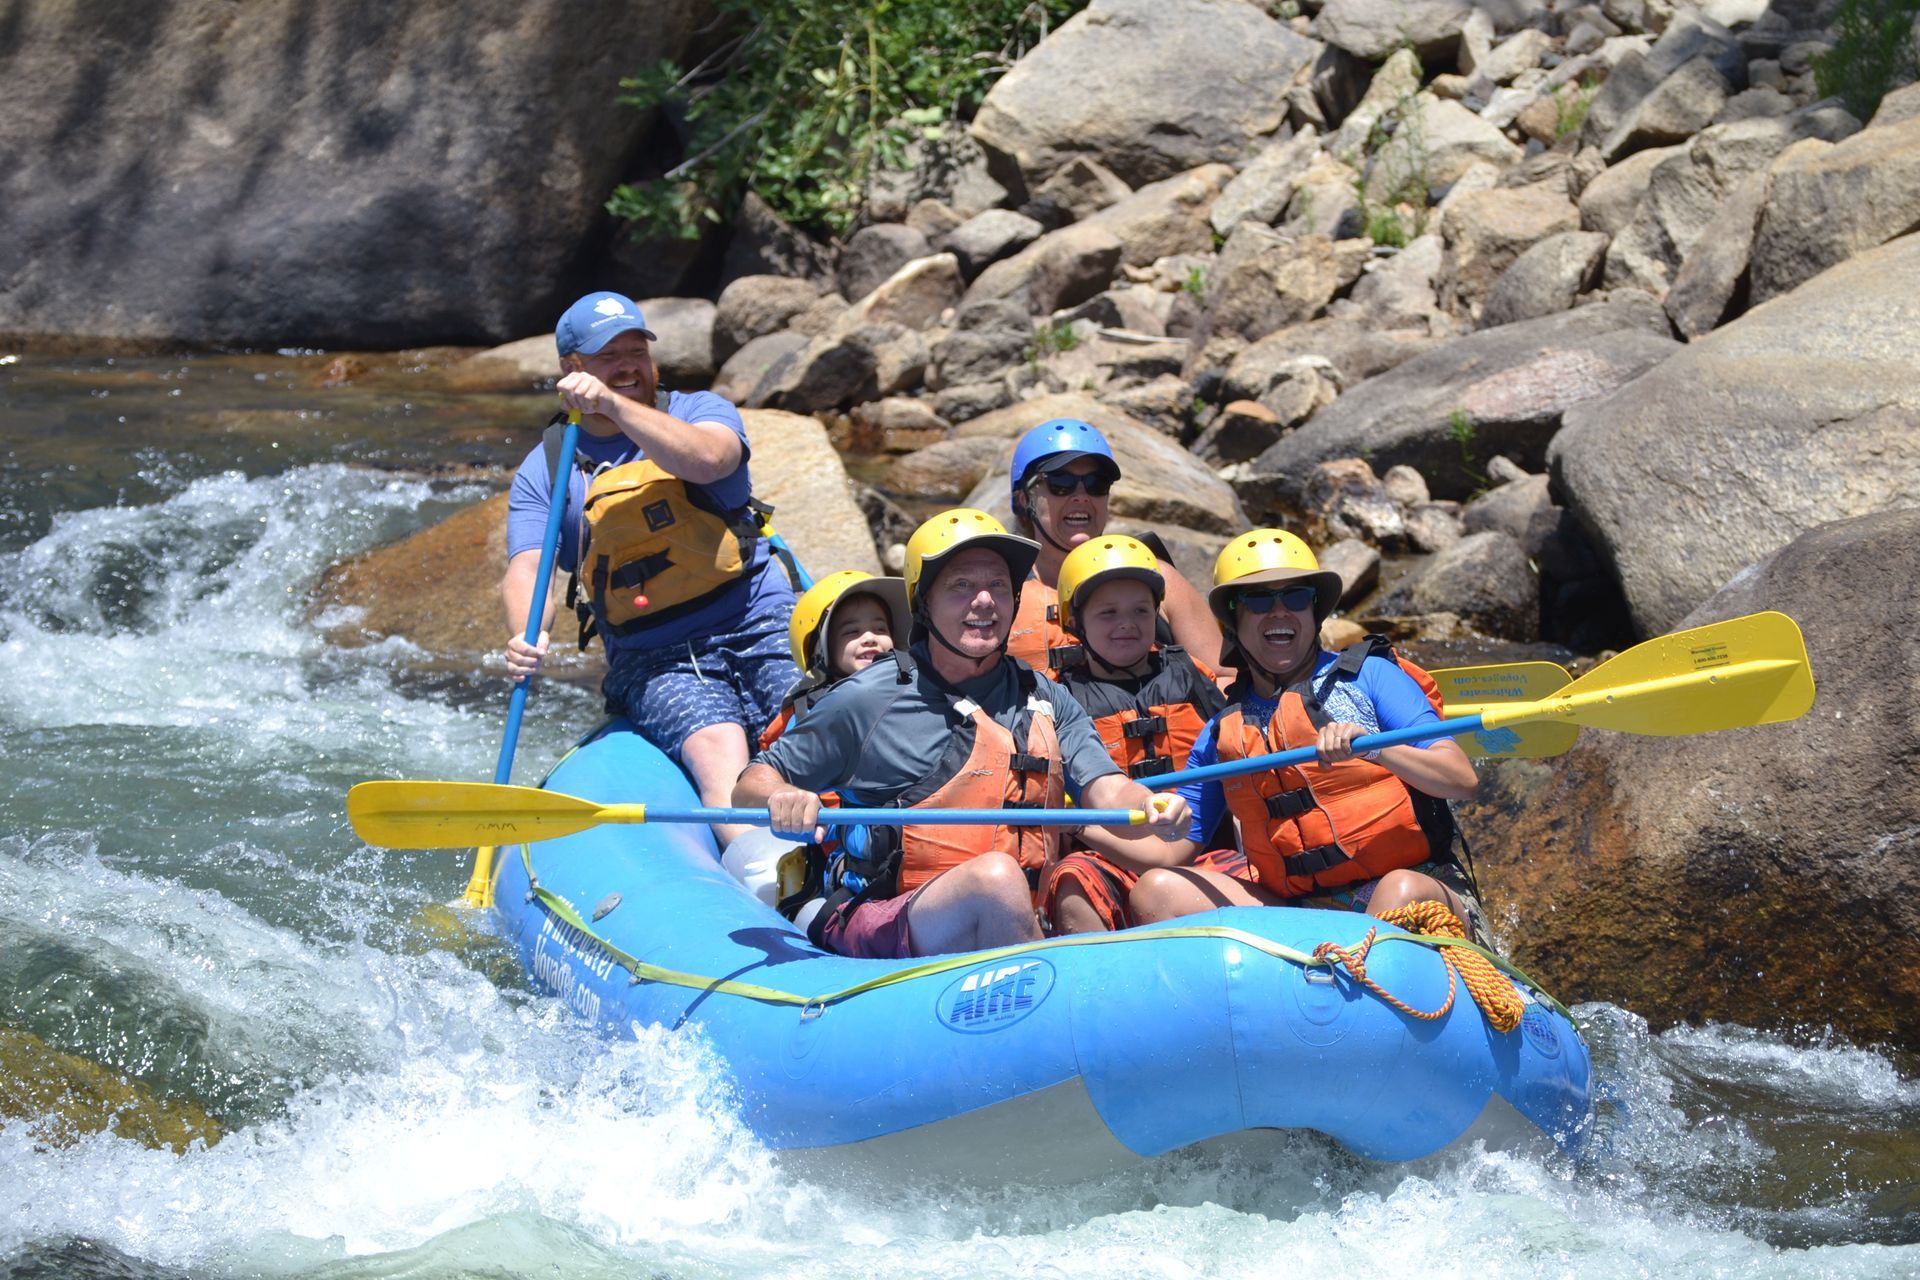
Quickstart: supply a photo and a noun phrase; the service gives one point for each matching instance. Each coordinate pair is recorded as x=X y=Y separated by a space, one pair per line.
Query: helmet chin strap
x=926 y=624
x=1273 y=677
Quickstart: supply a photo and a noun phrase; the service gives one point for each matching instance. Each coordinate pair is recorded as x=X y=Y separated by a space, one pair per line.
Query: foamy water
x=183 y=902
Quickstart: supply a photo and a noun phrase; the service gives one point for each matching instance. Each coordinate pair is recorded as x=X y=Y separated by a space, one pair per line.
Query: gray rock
x=1635 y=109
x=950 y=168
x=1687 y=191
x=914 y=297
x=933 y=220
x=1826 y=204
x=763 y=244
x=1345 y=498
x=1260 y=192
x=1265 y=280
x=1407 y=487
x=1504 y=470
x=841 y=368
x=1431 y=527
x=746 y=368
x=986 y=340
x=796 y=470
x=874 y=253
x=1399 y=292
x=970 y=400
x=1058 y=270
x=1358 y=566
x=1609 y=202
x=755 y=305
x=1164 y=403
x=1397 y=81
x=1165 y=218
x=988 y=237
x=1802 y=411
x=1243 y=429
x=1197 y=81
x=1486 y=580
x=1324 y=203
x=1709 y=279
x=820 y=316
x=1486 y=232
x=1545 y=279
x=1083 y=187
x=896 y=424
x=1159 y=481
x=1435 y=145
x=1522 y=51
x=306 y=174
x=684 y=349
x=945 y=472
x=1898 y=107
x=1372 y=29
x=1356 y=351
x=1522 y=509
x=1499 y=391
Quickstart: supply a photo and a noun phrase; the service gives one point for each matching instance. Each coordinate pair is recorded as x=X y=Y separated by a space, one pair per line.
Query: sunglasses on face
x=1292 y=599
x=1061 y=484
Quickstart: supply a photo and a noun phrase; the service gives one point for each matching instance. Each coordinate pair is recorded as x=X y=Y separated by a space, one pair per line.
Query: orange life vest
x=1306 y=828
x=1036 y=633
x=985 y=766
x=1149 y=730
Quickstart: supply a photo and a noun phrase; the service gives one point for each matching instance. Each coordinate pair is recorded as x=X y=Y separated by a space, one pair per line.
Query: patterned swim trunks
x=672 y=692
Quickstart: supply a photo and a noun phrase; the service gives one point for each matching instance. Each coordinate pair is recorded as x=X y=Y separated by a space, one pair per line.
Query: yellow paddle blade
x=1472 y=691
x=449 y=815
x=1725 y=675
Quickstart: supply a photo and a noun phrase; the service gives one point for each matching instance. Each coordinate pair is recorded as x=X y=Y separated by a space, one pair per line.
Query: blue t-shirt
x=762 y=589
x=1381 y=697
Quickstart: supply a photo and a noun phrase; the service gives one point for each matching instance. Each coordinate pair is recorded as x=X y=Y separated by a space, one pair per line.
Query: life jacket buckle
x=1146 y=727
x=1290 y=804
x=1151 y=767
x=1023 y=762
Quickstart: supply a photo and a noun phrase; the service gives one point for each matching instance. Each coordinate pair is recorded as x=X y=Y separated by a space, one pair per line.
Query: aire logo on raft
x=995 y=996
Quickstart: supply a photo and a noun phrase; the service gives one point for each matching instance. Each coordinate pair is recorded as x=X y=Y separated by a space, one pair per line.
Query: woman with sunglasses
x=1341 y=832
x=1061 y=475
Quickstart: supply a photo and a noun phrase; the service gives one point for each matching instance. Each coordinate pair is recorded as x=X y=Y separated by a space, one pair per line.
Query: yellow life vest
x=653 y=547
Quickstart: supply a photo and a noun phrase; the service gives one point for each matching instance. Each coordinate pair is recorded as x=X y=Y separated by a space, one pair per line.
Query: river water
x=183 y=904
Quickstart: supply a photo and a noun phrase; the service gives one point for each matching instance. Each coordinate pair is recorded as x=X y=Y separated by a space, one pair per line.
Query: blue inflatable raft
x=1072 y=1054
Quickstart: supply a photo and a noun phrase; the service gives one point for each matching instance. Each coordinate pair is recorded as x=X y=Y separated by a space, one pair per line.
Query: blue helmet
x=1054 y=444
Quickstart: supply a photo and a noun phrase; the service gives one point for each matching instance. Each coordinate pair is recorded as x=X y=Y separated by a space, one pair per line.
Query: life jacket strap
x=1291 y=804
x=1151 y=767
x=1146 y=727
x=1023 y=762
x=1062 y=657
x=1311 y=862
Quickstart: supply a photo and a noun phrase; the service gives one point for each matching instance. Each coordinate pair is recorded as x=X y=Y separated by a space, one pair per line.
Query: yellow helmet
x=1270 y=555
x=1112 y=555
x=949 y=531
x=813 y=614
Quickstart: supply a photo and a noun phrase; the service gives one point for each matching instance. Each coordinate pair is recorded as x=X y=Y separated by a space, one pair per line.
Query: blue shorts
x=737 y=677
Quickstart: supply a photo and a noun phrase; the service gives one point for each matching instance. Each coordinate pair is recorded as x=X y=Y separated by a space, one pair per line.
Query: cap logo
x=608 y=307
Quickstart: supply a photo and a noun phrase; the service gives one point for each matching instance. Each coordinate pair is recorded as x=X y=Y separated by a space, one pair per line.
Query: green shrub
x=1570 y=106
x=1875 y=52
x=807 y=100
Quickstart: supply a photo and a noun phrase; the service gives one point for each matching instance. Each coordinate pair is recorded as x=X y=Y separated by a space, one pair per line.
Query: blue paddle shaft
x=915 y=817
x=1302 y=755
x=543 y=579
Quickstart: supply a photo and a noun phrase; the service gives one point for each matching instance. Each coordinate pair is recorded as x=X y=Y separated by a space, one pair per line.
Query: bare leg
x=1073 y=911
x=1166 y=893
x=983 y=902
x=715 y=756
x=1401 y=888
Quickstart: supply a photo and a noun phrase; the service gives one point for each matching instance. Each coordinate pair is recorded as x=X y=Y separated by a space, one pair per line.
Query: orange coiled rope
x=1493 y=991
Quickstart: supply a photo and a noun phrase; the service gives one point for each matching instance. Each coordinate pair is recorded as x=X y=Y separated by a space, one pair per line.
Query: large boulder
x=1485 y=232
x=1149 y=88
x=1827 y=203
x=753 y=306
x=1159 y=481
x=1058 y=270
x=1665 y=95
x=1802 y=411
x=1372 y=29
x=1165 y=218
x=1266 y=280
x=1711 y=877
x=439 y=588
x=1499 y=391
x=258 y=175
x=1545 y=279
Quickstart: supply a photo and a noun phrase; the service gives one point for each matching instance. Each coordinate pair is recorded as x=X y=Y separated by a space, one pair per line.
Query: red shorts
x=874 y=930
x=1107 y=885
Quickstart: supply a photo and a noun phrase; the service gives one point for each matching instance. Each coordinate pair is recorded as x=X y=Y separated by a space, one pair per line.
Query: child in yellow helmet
x=1148 y=703
x=843 y=623
x=1349 y=830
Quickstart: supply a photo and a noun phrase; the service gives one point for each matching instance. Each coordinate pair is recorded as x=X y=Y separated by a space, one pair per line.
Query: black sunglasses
x=1062 y=483
x=1293 y=599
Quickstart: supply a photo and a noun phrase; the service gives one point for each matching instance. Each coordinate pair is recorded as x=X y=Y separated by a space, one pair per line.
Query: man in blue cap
x=662 y=535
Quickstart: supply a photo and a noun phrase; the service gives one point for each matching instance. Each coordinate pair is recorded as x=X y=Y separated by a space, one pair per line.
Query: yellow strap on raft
x=1456 y=949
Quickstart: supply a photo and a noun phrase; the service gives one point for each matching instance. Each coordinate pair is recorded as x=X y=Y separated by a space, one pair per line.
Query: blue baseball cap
x=596 y=320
